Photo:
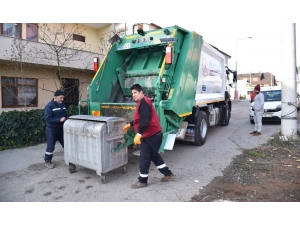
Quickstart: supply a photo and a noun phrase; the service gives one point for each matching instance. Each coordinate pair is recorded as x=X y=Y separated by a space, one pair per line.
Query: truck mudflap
x=93 y=141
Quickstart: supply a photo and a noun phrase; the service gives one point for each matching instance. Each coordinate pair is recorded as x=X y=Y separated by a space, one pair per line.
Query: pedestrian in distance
x=55 y=114
x=258 y=106
x=149 y=136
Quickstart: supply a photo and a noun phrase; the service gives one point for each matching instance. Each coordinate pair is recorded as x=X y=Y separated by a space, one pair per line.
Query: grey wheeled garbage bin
x=91 y=142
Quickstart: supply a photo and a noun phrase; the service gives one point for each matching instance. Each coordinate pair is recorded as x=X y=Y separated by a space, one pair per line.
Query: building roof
x=269 y=78
x=228 y=56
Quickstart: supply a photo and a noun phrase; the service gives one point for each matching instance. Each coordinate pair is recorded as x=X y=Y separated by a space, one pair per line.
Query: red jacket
x=145 y=119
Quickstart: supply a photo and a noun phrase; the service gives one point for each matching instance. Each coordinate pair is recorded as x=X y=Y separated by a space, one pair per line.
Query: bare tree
x=63 y=47
x=105 y=44
x=61 y=50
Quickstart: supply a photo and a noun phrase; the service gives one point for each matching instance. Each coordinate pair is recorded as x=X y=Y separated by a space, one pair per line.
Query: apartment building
x=36 y=59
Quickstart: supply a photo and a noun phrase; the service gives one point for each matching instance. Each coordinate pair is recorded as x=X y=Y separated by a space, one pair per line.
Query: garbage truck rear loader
x=184 y=77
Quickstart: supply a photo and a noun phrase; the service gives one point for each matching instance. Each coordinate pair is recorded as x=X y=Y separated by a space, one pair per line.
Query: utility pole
x=289 y=92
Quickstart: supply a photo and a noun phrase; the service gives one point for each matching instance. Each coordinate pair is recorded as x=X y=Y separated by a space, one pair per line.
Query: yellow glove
x=137 y=139
x=126 y=127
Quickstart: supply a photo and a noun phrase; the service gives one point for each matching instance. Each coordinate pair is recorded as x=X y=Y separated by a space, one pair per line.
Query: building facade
x=247 y=82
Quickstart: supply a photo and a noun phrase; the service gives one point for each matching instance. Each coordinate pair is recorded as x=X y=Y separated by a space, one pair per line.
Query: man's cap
x=58 y=93
x=257 y=87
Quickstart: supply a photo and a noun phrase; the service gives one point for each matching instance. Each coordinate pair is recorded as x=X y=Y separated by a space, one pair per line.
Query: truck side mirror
x=234 y=79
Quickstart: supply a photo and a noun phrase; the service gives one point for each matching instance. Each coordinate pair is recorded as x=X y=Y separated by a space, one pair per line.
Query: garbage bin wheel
x=103 y=178
x=124 y=169
x=72 y=168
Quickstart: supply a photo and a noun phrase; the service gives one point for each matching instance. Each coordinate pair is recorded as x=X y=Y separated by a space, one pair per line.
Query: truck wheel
x=201 y=128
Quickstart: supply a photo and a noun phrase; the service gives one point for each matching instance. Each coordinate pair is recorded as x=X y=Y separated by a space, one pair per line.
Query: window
x=18 y=92
x=71 y=90
x=11 y=29
x=32 y=32
x=273 y=95
x=77 y=37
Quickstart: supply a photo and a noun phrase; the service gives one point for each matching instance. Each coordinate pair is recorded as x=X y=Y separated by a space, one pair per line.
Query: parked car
x=272 y=106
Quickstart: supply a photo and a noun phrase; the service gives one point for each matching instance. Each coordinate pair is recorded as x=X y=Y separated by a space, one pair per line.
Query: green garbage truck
x=185 y=78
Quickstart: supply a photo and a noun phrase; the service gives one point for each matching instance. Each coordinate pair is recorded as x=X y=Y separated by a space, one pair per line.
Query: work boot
x=167 y=178
x=253 y=132
x=139 y=185
x=49 y=164
x=257 y=133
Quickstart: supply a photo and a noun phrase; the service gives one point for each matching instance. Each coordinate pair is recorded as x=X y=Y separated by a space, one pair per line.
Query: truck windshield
x=273 y=95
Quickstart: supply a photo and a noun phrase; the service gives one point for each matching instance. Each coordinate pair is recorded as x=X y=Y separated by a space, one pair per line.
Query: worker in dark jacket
x=149 y=136
x=55 y=115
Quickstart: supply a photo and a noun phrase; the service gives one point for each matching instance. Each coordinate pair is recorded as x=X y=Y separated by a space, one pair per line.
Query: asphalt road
x=24 y=178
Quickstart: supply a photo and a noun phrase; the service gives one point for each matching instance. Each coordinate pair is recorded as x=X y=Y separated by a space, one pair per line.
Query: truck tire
x=201 y=128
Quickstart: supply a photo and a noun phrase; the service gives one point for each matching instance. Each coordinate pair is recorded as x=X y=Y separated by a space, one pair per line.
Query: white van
x=272 y=106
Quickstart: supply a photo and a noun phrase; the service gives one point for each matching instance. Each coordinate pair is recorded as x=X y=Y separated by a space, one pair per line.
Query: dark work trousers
x=53 y=135
x=149 y=152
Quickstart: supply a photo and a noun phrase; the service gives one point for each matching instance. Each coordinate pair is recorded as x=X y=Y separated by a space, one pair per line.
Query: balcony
x=79 y=59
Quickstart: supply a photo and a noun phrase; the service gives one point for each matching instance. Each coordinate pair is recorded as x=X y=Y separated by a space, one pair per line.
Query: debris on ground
x=269 y=173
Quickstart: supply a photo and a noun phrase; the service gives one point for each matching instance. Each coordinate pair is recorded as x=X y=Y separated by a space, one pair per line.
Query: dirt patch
x=270 y=173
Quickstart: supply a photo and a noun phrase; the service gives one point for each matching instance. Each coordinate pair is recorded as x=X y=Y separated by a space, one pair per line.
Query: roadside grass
x=257 y=154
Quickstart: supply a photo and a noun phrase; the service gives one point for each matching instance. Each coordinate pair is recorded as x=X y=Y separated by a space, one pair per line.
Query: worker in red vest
x=149 y=135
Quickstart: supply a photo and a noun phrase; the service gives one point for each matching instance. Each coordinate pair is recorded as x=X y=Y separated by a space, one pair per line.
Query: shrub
x=73 y=110
x=23 y=128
